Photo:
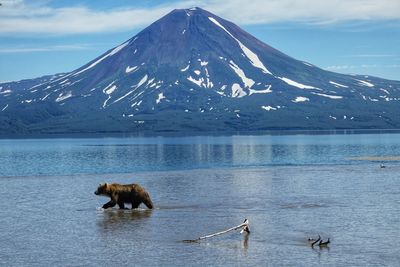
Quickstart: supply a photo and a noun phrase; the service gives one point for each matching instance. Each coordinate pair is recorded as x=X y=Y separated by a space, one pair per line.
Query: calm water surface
x=289 y=187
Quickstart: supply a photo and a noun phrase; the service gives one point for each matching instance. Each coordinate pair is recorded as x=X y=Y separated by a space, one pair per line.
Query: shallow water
x=215 y=184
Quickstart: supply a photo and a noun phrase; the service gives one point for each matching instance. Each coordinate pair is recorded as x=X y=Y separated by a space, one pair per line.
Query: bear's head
x=102 y=189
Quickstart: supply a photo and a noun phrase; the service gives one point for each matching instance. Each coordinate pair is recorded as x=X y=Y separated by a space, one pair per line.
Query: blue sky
x=39 y=37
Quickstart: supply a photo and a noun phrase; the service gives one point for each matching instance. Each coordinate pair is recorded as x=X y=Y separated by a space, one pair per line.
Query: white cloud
x=310 y=11
x=362 y=66
x=21 y=18
x=54 y=48
x=16 y=16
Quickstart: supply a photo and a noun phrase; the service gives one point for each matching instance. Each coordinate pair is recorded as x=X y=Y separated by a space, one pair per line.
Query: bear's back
x=127 y=190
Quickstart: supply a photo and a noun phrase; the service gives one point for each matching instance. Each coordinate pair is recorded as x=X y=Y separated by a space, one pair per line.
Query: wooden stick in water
x=244 y=226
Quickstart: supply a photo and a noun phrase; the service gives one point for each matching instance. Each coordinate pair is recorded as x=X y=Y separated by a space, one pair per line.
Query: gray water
x=289 y=187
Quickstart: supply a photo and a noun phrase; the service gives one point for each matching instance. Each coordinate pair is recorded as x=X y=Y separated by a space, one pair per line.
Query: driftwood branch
x=244 y=226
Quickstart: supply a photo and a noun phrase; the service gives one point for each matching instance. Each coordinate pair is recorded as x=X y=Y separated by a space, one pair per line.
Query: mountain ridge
x=194 y=71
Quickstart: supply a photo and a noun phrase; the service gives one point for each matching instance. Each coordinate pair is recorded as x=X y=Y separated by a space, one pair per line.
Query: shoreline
x=148 y=134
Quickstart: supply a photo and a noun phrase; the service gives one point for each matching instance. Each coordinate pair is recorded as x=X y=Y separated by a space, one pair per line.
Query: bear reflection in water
x=133 y=194
x=119 y=216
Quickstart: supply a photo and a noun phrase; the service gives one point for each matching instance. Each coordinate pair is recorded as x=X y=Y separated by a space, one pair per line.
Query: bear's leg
x=109 y=204
x=121 y=205
x=135 y=204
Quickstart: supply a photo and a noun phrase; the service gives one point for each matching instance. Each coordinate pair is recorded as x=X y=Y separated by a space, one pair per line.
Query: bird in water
x=323 y=244
x=314 y=242
x=383 y=165
x=311 y=239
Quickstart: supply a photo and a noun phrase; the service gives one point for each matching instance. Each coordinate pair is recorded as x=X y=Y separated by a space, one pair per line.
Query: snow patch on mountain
x=328 y=96
x=338 y=84
x=108 y=90
x=197 y=82
x=237 y=91
x=131 y=69
x=160 y=97
x=296 y=84
x=264 y=91
x=308 y=64
x=119 y=48
x=113 y=52
x=37 y=85
x=247 y=81
x=364 y=83
x=185 y=68
x=300 y=99
x=152 y=80
x=253 y=58
x=141 y=82
x=209 y=83
x=5 y=92
x=63 y=96
x=44 y=98
x=268 y=108
x=384 y=90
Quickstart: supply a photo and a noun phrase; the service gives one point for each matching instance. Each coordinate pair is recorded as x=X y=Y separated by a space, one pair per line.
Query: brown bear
x=124 y=193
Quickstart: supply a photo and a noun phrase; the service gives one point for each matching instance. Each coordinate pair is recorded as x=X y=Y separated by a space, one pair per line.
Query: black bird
x=315 y=242
x=324 y=244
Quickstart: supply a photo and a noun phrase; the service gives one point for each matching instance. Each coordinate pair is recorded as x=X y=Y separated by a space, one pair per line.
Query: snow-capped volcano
x=192 y=70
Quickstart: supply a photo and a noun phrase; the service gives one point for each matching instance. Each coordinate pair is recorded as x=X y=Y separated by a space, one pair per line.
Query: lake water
x=290 y=187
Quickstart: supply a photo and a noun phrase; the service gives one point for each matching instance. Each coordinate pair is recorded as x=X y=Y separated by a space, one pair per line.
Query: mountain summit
x=194 y=71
